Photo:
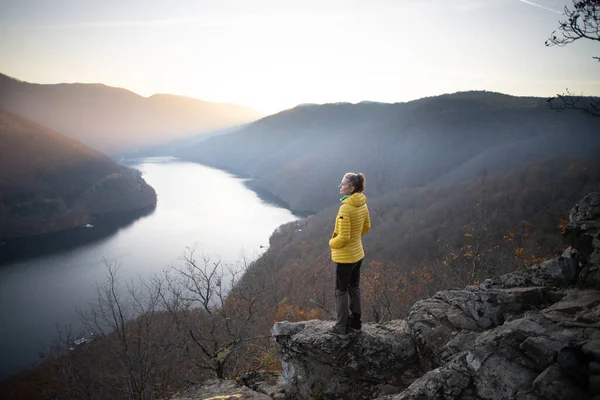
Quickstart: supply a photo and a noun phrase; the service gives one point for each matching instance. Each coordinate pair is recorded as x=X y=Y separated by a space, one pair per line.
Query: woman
x=347 y=252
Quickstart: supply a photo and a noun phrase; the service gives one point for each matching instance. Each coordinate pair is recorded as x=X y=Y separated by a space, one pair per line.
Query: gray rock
x=223 y=389
x=431 y=330
x=541 y=350
x=592 y=350
x=284 y=328
x=502 y=363
x=317 y=363
x=583 y=233
x=434 y=322
x=574 y=364
x=513 y=279
x=269 y=383
x=557 y=272
x=531 y=335
x=461 y=342
x=553 y=385
x=579 y=308
x=440 y=383
x=590 y=274
x=499 y=378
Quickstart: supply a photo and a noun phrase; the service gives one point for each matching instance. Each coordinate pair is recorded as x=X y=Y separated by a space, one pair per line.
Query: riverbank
x=51 y=275
x=264 y=194
x=100 y=227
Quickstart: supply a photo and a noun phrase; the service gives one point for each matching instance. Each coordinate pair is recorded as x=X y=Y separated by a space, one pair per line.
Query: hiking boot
x=336 y=330
x=354 y=324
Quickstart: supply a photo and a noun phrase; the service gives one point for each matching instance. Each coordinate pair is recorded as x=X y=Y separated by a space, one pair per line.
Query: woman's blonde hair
x=356 y=180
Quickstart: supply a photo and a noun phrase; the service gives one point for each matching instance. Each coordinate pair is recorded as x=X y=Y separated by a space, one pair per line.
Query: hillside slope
x=300 y=154
x=50 y=182
x=425 y=239
x=115 y=120
x=531 y=334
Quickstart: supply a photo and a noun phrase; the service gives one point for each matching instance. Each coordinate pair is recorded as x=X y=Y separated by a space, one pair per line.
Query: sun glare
x=276 y=57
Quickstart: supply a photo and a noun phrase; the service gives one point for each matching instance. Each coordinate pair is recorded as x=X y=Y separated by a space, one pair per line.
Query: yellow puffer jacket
x=352 y=222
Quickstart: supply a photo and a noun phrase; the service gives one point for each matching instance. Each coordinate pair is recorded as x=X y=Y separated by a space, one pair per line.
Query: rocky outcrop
x=259 y=385
x=532 y=334
x=583 y=233
x=222 y=390
x=317 y=363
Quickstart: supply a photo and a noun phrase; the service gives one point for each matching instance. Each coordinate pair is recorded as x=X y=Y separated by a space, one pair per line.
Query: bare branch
x=569 y=101
x=582 y=22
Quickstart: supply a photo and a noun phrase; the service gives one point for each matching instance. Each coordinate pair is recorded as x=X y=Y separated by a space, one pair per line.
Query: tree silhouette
x=582 y=22
x=212 y=310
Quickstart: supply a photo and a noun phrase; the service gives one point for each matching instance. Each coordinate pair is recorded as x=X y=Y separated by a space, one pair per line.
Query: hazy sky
x=274 y=54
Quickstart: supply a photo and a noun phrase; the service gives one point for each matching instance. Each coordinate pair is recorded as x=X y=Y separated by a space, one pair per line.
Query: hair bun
x=356 y=180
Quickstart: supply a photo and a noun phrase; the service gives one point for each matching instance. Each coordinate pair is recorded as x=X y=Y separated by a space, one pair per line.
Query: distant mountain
x=301 y=154
x=115 y=120
x=49 y=182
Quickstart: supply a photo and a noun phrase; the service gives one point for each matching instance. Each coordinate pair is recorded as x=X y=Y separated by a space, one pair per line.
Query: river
x=198 y=206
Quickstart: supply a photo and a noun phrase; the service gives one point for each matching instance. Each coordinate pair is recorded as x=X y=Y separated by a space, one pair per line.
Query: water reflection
x=197 y=206
x=21 y=249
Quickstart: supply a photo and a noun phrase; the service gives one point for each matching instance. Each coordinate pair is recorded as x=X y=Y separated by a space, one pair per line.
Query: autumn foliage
x=422 y=241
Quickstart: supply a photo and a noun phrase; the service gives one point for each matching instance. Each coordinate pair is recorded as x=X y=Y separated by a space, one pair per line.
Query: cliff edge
x=531 y=334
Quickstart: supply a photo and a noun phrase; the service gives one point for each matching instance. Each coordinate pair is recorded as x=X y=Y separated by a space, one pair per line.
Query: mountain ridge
x=397 y=145
x=116 y=120
x=50 y=182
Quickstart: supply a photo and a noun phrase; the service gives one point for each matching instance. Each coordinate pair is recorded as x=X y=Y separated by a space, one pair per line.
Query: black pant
x=347 y=284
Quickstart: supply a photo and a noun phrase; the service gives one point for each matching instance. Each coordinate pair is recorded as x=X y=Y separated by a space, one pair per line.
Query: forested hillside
x=50 y=182
x=428 y=239
x=115 y=120
x=300 y=154
x=460 y=188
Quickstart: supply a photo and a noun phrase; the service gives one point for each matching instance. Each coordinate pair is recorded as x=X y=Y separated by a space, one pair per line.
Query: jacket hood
x=356 y=200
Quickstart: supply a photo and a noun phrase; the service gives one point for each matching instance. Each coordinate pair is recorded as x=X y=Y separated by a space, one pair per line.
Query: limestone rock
x=541 y=350
x=553 y=385
x=222 y=390
x=434 y=322
x=531 y=334
x=558 y=272
x=269 y=383
x=579 y=308
x=583 y=233
x=317 y=363
x=517 y=360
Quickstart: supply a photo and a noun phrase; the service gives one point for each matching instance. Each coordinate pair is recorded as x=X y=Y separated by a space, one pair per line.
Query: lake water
x=197 y=206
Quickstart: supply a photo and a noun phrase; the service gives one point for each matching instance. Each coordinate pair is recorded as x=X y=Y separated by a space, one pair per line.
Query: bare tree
x=212 y=310
x=149 y=339
x=129 y=355
x=322 y=298
x=382 y=290
x=582 y=22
